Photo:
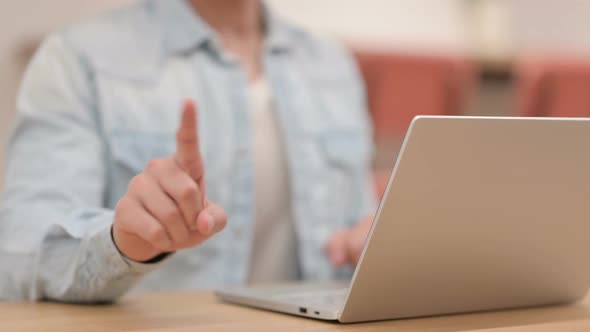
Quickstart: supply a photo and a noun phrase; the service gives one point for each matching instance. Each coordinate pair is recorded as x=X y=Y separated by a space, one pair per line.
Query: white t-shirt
x=274 y=248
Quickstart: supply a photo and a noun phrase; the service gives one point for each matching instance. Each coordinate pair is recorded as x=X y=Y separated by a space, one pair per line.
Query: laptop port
x=303 y=310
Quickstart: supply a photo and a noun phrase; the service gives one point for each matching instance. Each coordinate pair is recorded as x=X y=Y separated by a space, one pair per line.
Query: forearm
x=84 y=270
x=71 y=265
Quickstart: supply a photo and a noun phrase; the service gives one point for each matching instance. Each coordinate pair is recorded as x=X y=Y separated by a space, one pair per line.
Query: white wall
x=551 y=25
x=385 y=24
x=487 y=27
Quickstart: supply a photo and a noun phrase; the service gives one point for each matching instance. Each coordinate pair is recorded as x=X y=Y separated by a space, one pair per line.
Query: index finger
x=188 y=151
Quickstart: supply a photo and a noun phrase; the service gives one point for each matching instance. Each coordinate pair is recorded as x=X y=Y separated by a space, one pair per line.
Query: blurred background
x=454 y=57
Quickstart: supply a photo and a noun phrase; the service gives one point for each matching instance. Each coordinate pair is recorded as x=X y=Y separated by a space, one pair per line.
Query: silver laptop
x=480 y=213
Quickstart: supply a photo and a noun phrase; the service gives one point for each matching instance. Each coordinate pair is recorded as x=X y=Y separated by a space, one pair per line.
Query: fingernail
x=210 y=223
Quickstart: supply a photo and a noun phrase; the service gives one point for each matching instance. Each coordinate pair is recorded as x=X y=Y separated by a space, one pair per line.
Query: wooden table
x=200 y=311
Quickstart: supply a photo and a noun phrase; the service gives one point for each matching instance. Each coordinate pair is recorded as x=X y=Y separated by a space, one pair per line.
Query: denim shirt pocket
x=132 y=150
x=346 y=156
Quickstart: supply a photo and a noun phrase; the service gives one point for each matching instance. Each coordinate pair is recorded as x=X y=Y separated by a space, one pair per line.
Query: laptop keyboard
x=322 y=298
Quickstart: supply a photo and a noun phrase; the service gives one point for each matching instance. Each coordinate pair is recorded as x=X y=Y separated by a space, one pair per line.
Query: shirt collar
x=184 y=30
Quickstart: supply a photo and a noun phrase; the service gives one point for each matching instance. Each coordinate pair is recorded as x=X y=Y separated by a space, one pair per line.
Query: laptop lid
x=480 y=213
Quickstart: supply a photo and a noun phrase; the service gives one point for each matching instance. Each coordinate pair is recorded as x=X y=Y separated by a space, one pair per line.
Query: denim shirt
x=102 y=98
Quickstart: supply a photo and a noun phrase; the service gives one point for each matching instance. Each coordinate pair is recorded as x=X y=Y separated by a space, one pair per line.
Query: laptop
x=480 y=213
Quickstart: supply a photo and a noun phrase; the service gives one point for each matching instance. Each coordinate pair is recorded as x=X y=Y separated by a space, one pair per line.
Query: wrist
x=136 y=252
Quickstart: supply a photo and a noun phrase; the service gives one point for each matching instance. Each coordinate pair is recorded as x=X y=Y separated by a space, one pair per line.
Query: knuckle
x=137 y=183
x=125 y=208
x=171 y=215
x=122 y=210
x=189 y=191
x=156 y=234
x=155 y=165
x=123 y=204
x=134 y=182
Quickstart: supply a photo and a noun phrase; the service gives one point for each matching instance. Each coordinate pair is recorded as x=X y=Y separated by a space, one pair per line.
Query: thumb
x=337 y=248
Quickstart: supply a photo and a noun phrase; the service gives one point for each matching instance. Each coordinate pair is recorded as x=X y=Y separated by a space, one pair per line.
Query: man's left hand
x=346 y=246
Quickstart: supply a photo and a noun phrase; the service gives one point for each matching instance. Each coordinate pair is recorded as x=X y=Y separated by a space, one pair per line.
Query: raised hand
x=166 y=208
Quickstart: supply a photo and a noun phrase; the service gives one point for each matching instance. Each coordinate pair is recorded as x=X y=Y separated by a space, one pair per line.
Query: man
x=235 y=113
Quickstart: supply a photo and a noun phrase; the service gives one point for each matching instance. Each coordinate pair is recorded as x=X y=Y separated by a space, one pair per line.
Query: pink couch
x=553 y=86
x=401 y=86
